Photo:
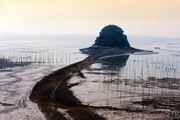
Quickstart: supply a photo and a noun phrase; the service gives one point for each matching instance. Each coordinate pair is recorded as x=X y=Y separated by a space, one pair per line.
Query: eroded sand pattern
x=16 y=86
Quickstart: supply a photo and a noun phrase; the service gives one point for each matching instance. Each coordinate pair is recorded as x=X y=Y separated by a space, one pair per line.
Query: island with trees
x=111 y=40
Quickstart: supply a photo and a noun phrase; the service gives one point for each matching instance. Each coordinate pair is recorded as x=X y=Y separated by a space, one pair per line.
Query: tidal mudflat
x=134 y=86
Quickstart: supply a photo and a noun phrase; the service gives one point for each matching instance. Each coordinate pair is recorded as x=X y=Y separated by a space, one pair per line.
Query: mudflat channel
x=54 y=98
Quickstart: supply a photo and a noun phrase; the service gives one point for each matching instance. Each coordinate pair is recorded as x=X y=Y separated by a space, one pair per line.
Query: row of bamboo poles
x=37 y=56
x=142 y=78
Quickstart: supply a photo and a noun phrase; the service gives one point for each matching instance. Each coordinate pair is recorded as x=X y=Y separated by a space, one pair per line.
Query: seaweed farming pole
x=147 y=74
x=133 y=85
x=142 y=81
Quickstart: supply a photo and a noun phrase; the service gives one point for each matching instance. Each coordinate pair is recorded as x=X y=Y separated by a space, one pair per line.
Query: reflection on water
x=113 y=65
x=119 y=61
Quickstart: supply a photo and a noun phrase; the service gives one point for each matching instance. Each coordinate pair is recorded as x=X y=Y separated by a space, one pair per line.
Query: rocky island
x=111 y=41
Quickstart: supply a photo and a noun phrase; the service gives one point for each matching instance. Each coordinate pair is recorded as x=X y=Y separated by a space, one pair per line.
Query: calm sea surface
x=64 y=49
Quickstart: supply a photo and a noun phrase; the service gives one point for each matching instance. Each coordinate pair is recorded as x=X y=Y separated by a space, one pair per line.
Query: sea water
x=64 y=50
x=116 y=78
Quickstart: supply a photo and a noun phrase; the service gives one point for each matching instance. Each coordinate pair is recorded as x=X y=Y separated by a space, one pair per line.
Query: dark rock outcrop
x=111 y=41
x=112 y=36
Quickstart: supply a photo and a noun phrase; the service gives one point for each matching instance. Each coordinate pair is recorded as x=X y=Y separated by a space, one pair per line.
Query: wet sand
x=128 y=99
x=16 y=85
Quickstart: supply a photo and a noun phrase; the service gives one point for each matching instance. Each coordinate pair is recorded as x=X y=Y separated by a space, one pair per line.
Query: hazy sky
x=136 y=17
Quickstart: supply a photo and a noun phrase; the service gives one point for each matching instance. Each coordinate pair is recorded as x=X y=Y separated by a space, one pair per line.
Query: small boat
x=156 y=47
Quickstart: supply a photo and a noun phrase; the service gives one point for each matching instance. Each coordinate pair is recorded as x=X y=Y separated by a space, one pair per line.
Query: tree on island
x=112 y=36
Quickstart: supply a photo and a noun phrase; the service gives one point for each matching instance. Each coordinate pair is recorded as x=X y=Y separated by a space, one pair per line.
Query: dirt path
x=54 y=98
